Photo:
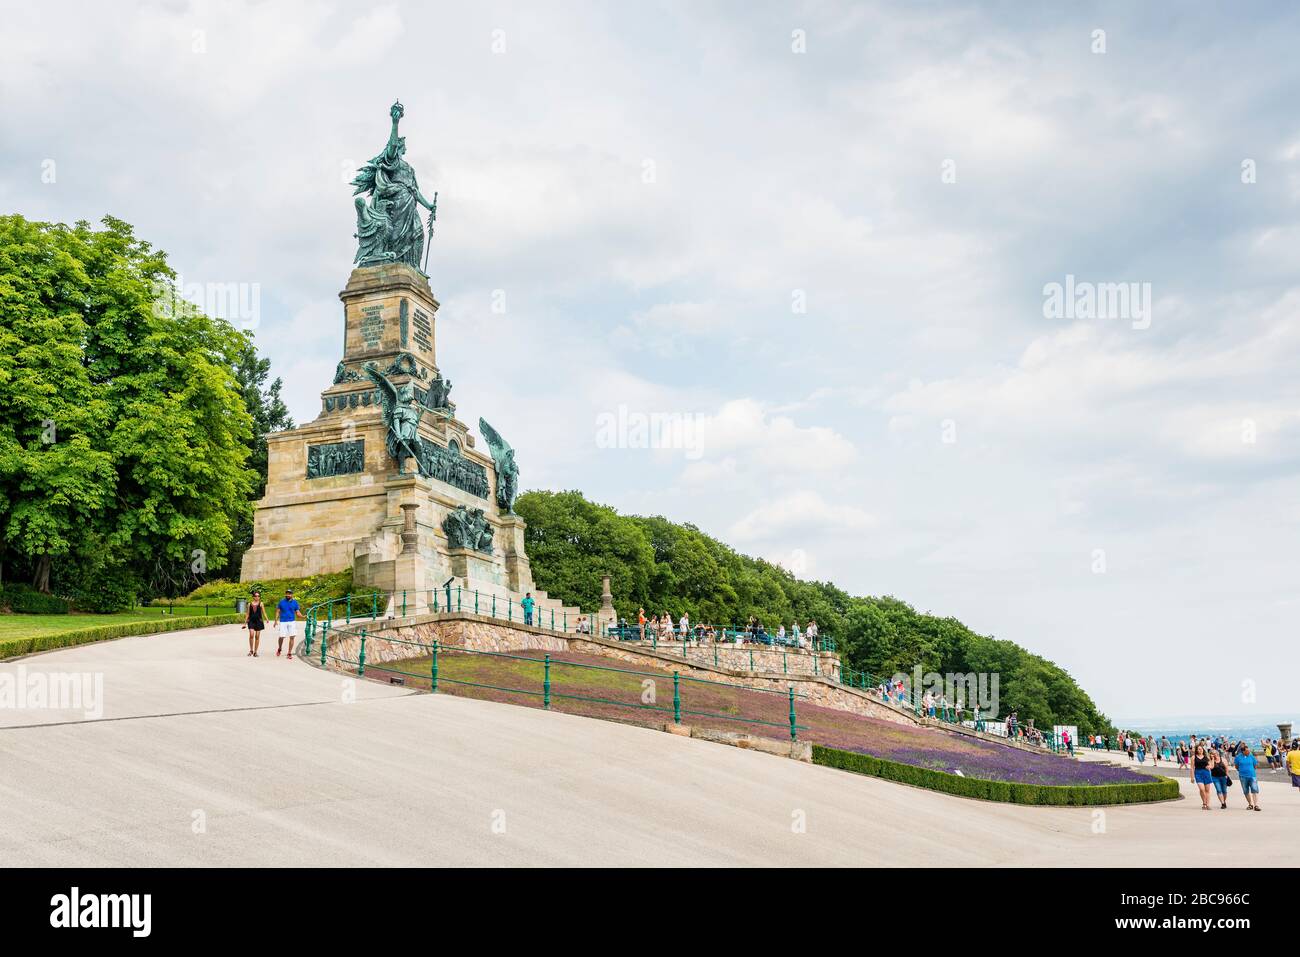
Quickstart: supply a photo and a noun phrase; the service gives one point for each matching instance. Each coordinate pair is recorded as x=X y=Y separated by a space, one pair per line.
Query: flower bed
x=1013 y=792
x=950 y=753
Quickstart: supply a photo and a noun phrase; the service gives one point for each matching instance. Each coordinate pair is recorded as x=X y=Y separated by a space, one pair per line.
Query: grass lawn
x=30 y=626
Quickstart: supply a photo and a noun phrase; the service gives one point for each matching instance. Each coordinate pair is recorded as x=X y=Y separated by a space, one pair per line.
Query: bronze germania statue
x=389 y=227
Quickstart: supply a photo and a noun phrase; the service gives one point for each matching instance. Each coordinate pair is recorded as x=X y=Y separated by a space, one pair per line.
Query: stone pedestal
x=510 y=539
x=607 y=617
x=474 y=569
x=388 y=311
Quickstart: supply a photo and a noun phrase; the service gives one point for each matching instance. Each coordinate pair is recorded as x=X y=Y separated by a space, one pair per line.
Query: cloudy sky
x=816 y=237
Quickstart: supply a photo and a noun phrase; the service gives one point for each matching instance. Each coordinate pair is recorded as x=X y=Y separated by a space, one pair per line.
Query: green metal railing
x=439 y=653
x=324 y=616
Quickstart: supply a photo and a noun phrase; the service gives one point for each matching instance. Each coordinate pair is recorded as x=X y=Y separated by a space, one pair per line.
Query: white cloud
x=773 y=442
x=799 y=517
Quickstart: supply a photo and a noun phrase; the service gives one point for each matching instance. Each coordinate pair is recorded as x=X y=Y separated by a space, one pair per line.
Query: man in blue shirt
x=286 y=614
x=528 y=604
x=1245 y=762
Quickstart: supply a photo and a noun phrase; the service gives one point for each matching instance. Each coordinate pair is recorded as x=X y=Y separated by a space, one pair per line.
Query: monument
x=386 y=480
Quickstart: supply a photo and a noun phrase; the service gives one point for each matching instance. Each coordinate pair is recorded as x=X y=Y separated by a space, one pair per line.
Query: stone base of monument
x=334 y=496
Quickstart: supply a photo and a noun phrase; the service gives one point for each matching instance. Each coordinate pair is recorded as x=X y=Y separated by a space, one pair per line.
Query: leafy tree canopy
x=124 y=435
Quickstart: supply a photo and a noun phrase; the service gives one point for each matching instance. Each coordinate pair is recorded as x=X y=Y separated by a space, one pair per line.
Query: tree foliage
x=123 y=436
x=663 y=566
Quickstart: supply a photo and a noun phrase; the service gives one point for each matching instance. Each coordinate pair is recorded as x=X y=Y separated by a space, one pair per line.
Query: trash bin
x=241 y=605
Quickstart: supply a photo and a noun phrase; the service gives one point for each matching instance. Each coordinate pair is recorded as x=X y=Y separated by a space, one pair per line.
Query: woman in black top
x=255 y=621
x=1201 y=776
x=1219 y=775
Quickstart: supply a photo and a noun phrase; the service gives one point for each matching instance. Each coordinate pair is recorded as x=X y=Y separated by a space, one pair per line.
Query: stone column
x=410 y=537
x=1284 y=729
x=607 y=616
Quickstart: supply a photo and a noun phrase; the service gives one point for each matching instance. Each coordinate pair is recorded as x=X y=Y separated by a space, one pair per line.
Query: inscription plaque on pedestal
x=372 y=326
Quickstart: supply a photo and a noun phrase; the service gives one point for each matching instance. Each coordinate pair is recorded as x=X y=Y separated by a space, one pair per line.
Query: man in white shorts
x=287 y=613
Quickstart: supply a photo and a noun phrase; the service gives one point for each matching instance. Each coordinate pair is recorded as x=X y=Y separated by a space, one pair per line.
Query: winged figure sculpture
x=503 y=459
x=401 y=415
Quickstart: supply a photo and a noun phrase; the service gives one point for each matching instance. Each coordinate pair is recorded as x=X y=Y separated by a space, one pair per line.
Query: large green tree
x=124 y=436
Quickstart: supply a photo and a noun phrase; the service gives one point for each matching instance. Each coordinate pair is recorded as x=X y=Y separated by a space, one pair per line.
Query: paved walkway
x=207 y=757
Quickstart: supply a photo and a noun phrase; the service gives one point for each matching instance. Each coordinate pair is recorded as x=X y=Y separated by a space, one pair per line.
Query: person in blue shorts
x=1219 y=776
x=1201 y=775
x=1246 y=773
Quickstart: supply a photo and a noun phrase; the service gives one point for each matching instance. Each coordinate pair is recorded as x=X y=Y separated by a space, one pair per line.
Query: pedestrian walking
x=287 y=612
x=255 y=622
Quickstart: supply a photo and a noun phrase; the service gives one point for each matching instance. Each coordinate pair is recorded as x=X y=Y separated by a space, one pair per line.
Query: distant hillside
x=664 y=566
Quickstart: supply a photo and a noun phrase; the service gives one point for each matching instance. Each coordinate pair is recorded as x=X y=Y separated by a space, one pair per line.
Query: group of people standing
x=664 y=628
x=1137 y=747
x=1209 y=766
x=1211 y=761
x=287 y=613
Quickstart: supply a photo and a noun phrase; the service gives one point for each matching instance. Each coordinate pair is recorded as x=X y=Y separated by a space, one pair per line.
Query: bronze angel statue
x=503 y=458
x=401 y=415
x=389 y=227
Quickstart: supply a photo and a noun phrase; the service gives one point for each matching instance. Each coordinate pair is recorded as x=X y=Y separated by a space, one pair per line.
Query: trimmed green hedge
x=25 y=600
x=12 y=647
x=1011 y=792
